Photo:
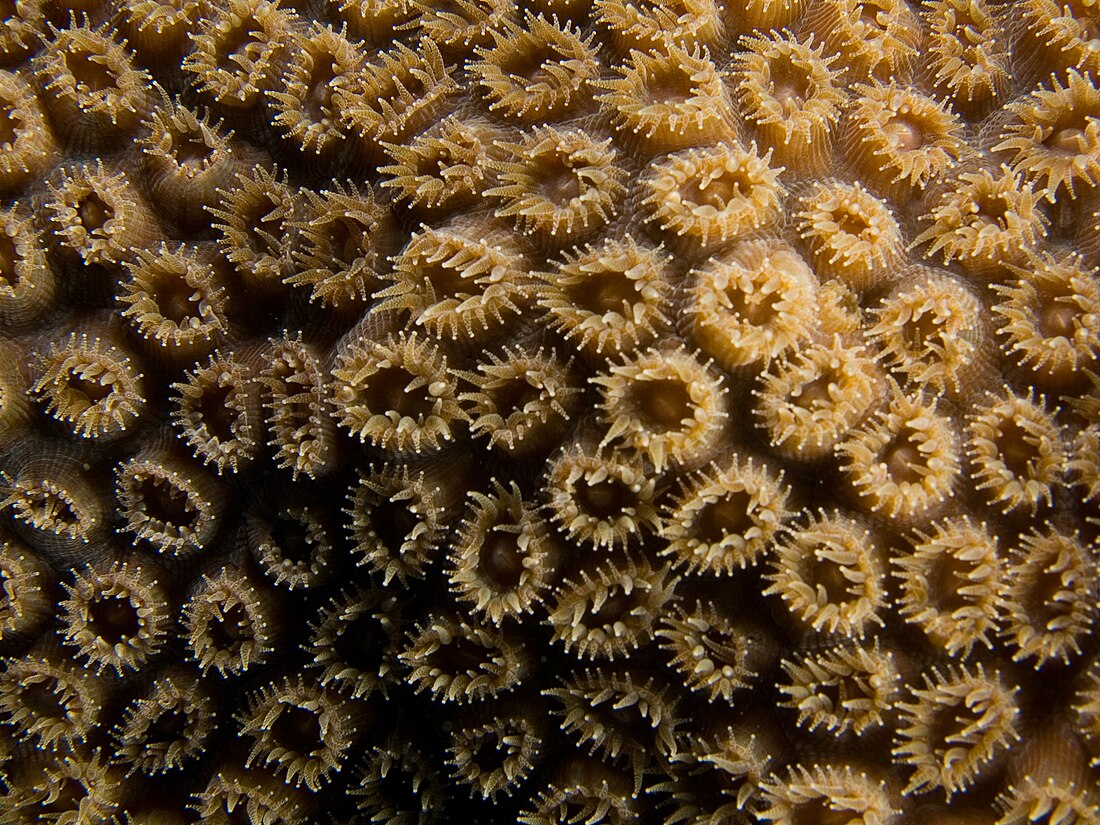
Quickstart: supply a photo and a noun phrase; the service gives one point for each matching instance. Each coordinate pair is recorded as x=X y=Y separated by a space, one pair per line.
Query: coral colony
x=578 y=411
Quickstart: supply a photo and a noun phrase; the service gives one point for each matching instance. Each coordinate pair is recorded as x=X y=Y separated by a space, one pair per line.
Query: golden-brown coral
x=842 y=689
x=49 y=701
x=90 y=386
x=599 y=497
x=669 y=406
x=459 y=26
x=299 y=729
x=98 y=216
x=791 y=93
x=904 y=463
x=969 y=53
x=115 y=616
x=611 y=297
x=26 y=593
x=255 y=220
x=445 y=166
x=670 y=99
x=900 y=139
x=877 y=38
x=930 y=331
x=320 y=63
x=398 y=784
x=396 y=393
x=356 y=641
x=28 y=138
x=534 y=71
x=28 y=285
x=852 y=235
x=298 y=413
x=522 y=401
x=399 y=518
x=168 y=724
x=186 y=159
x=716 y=655
x=1016 y=452
x=396 y=95
x=807 y=402
x=612 y=610
x=167 y=503
x=457 y=279
x=851 y=794
x=650 y=26
x=955 y=727
x=505 y=558
x=560 y=184
x=292 y=541
x=1050 y=596
x=217 y=412
x=52 y=502
x=495 y=753
x=460 y=662
x=229 y=622
x=952 y=584
x=1053 y=138
x=751 y=305
x=236 y=52
x=984 y=221
x=176 y=302
x=724 y=517
x=702 y=199
x=830 y=574
x=1049 y=320
x=157 y=30
x=92 y=89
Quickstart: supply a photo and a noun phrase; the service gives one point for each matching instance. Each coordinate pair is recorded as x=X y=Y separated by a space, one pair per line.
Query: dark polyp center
x=1068 y=137
x=669 y=85
x=1016 y=449
x=514 y=396
x=392 y=522
x=947 y=574
x=527 y=65
x=90 y=69
x=501 y=560
x=1058 y=318
x=263 y=225
x=292 y=538
x=176 y=301
x=318 y=101
x=829 y=575
x=348 y=240
x=297 y=729
x=239 y=46
x=664 y=403
x=903 y=460
x=113 y=619
x=9 y=258
x=815 y=393
x=228 y=632
x=169 y=726
x=490 y=753
x=728 y=516
x=387 y=392
x=923 y=329
x=757 y=309
x=557 y=178
x=94 y=212
x=165 y=503
x=992 y=209
x=90 y=389
x=1039 y=602
x=216 y=413
x=190 y=149
x=604 y=291
x=443 y=281
x=603 y=500
x=614 y=608
x=719 y=192
x=460 y=655
x=360 y=643
x=42 y=700
x=851 y=221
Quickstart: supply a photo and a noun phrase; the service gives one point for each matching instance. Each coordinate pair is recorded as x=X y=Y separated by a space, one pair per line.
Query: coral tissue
x=569 y=411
